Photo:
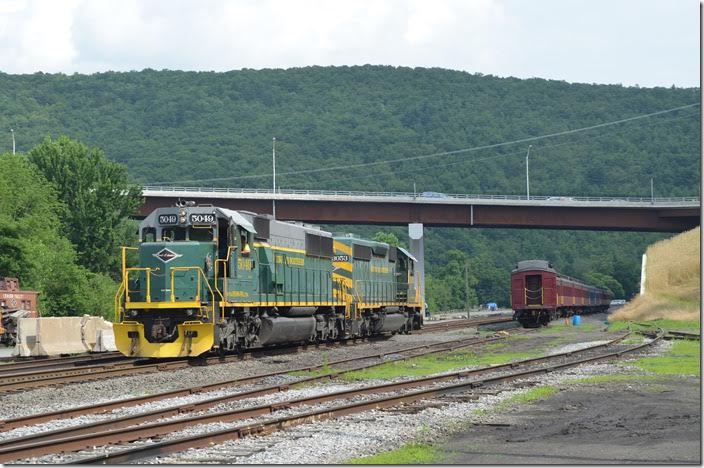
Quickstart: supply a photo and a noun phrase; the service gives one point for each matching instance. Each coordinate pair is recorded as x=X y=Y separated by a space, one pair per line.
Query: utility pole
x=13 y=140
x=273 y=195
x=527 y=179
x=466 y=288
x=652 y=192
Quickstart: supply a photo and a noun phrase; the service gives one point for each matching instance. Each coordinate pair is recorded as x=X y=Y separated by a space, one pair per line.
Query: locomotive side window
x=149 y=234
x=201 y=234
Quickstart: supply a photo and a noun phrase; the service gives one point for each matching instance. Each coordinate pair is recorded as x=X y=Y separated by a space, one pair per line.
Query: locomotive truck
x=540 y=294
x=214 y=279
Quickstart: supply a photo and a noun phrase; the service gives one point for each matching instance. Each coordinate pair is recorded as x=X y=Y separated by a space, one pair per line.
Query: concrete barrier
x=50 y=336
x=26 y=336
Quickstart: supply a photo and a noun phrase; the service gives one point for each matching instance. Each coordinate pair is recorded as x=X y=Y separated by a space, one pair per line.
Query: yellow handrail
x=201 y=273
x=223 y=295
x=149 y=284
x=118 y=296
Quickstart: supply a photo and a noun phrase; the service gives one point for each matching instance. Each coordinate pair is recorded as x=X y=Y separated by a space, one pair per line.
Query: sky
x=631 y=42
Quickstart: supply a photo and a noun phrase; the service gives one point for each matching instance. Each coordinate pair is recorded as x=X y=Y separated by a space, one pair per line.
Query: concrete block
x=51 y=336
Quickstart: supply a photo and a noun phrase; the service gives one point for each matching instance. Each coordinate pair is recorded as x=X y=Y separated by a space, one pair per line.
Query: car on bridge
x=433 y=195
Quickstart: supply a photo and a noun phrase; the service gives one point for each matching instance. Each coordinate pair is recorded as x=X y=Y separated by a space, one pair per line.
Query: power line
x=444 y=153
x=536 y=149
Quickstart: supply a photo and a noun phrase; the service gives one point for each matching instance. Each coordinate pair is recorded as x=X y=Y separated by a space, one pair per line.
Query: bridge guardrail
x=689 y=201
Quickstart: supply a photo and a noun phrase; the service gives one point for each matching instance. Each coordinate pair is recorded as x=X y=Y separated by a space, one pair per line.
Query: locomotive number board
x=168 y=219
x=202 y=219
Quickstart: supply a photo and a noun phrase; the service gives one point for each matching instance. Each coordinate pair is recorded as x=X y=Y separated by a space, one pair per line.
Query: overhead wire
x=515 y=153
x=439 y=154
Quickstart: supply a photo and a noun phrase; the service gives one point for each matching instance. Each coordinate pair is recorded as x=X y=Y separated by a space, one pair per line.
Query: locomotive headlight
x=182 y=217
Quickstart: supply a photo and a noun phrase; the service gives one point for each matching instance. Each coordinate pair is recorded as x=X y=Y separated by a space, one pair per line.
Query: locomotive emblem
x=166 y=255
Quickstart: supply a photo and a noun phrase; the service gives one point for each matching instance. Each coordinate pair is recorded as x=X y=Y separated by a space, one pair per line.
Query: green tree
x=97 y=194
x=388 y=237
x=34 y=250
x=453 y=287
x=602 y=280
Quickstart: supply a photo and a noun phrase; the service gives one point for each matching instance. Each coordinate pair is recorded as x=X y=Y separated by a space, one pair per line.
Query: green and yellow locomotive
x=215 y=279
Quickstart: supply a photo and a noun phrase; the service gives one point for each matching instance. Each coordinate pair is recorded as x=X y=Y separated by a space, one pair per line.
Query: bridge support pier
x=415 y=233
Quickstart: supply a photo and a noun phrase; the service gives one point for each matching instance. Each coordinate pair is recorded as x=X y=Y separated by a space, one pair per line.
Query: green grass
x=411 y=454
x=533 y=394
x=682 y=359
x=684 y=325
x=633 y=340
x=437 y=363
x=559 y=327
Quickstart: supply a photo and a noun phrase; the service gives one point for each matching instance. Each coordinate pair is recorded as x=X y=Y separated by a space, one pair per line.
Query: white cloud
x=36 y=35
x=575 y=40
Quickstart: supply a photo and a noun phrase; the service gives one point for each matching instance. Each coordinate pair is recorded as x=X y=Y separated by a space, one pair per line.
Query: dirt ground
x=609 y=423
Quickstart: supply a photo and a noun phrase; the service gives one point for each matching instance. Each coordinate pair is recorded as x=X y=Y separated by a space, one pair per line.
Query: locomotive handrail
x=118 y=300
x=199 y=273
x=148 y=277
x=223 y=296
x=172 y=278
x=123 y=287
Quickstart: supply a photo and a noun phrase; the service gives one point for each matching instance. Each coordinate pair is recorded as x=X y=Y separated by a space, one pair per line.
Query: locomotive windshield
x=179 y=234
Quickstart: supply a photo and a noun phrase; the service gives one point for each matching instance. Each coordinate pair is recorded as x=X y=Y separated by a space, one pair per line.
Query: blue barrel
x=576 y=320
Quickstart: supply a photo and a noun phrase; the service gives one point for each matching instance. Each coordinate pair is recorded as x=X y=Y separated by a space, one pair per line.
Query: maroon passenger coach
x=540 y=294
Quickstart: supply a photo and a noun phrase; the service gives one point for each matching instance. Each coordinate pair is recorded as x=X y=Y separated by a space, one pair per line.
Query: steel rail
x=57 y=363
x=266 y=427
x=684 y=334
x=71 y=441
x=31 y=360
x=464 y=323
x=34 y=379
x=39 y=443
x=134 y=401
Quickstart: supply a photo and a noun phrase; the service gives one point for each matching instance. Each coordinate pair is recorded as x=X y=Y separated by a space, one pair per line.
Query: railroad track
x=58 y=362
x=426 y=349
x=97 y=435
x=62 y=371
x=435 y=327
x=62 y=374
x=272 y=425
x=73 y=436
x=674 y=335
x=669 y=334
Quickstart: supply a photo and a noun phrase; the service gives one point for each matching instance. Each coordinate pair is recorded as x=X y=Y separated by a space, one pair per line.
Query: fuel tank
x=284 y=330
x=390 y=323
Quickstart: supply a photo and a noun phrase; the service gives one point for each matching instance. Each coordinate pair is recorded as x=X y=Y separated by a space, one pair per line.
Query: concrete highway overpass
x=451 y=210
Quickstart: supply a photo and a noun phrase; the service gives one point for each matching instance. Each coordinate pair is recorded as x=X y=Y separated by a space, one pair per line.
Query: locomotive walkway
x=672 y=214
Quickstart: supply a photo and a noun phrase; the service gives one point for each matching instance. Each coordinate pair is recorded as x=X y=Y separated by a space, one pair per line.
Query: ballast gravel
x=47 y=399
x=338 y=440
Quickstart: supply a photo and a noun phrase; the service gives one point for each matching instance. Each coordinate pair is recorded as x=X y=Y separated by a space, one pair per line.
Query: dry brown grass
x=673 y=272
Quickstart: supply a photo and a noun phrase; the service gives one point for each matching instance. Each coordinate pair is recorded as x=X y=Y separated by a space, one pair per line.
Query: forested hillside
x=215 y=129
